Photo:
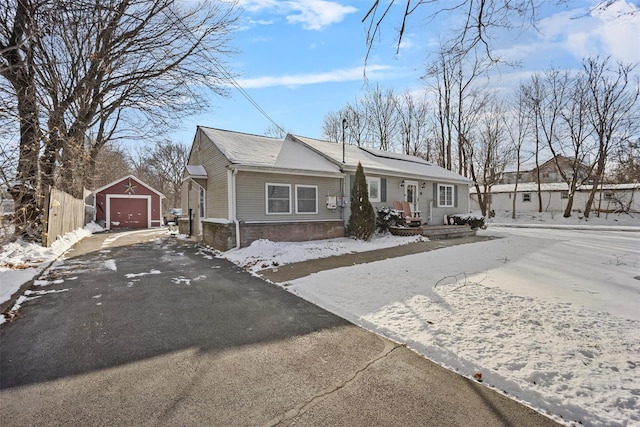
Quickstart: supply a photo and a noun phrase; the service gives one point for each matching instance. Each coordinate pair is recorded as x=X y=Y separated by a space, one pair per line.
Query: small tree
x=362 y=222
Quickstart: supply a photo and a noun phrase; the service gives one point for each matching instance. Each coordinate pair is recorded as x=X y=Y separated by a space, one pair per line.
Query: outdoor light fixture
x=424 y=185
x=402 y=184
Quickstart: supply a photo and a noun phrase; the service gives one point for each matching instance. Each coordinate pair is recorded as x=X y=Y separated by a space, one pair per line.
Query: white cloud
x=317 y=14
x=310 y=14
x=620 y=30
x=612 y=31
x=343 y=75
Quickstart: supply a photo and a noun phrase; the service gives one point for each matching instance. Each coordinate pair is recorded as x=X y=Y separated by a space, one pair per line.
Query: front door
x=411 y=195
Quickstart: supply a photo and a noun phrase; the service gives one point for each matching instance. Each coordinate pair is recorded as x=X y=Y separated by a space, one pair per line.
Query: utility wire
x=225 y=73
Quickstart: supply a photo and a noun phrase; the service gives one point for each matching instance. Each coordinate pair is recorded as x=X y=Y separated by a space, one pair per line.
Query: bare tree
x=491 y=154
x=442 y=74
x=111 y=163
x=357 y=118
x=518 y=125
x=546 y=94
x=480 y=19
x=412 y=122
x=381 y=108
x=572 y=146
x=626 y=159
x=613 y=112
x=162 y=166
x=332 y=126
x=86 y=74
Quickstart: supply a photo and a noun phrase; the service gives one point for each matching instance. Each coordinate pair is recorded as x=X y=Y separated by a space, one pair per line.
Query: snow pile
x=263 y=254
x=21 y=261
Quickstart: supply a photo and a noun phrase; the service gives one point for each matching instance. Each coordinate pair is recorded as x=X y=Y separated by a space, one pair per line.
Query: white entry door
x=411 y=195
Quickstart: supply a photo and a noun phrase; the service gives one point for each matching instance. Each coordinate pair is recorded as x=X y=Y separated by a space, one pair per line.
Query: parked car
x=172 y=215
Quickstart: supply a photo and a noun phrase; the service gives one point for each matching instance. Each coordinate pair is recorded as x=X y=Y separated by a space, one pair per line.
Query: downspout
x=234 y=213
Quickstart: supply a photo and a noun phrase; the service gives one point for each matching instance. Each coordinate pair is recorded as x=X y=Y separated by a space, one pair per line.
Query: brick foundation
x=290 y=232
x=219 y=236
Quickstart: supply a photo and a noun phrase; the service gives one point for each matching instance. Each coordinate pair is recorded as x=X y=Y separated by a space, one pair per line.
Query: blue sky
x=300 y=59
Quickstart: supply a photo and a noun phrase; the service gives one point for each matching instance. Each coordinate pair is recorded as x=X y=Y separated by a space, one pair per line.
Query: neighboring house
x=609 y=198
x=238 y=188
x=127 y=203
x=549 y=172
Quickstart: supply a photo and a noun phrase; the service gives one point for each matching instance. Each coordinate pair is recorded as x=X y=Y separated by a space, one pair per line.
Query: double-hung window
x=374 y=189
x=306 y=199
x=445 y=195
x=278 y=198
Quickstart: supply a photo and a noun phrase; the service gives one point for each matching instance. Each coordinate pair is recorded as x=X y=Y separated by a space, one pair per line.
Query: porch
x=435 y=232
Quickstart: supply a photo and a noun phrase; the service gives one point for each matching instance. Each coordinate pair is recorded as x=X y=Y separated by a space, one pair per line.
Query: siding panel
x=251 y=196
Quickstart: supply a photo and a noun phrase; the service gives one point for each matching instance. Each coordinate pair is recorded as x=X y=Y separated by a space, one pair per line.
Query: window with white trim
x=278 y=198
x=445 y=195
x=306 y=199
x=374 y=189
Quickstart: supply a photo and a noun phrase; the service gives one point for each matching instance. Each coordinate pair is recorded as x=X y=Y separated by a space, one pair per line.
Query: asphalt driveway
x=163 y=333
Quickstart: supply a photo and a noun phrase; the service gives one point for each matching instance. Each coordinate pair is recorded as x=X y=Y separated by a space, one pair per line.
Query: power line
x=226 y=74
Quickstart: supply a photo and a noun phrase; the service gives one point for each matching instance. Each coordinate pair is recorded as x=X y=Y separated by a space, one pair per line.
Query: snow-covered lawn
x=550 y=316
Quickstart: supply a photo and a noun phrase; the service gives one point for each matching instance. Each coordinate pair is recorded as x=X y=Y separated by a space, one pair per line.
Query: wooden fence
x=63 y=213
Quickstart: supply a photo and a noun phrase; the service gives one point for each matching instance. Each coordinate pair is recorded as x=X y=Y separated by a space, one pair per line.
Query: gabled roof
x=261 y=152
x=162 y=196
x=378 y=161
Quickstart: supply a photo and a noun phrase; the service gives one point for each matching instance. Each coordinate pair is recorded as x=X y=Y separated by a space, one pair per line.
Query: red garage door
x=128 y=213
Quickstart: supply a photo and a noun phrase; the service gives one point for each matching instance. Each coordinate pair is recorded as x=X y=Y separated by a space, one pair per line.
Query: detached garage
x=128 y=203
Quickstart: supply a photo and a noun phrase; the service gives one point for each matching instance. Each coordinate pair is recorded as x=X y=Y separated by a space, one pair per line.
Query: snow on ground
x=21 y=261
x=548 y=316
x=265 y=253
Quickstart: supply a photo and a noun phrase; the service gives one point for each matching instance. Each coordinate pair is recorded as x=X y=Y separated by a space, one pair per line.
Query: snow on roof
x=261 y=151
x=382 y=162
x=555 y=186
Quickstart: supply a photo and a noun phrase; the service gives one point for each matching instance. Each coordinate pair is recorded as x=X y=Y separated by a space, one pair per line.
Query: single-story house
x=238 y=187
x=127 y=203
x=609 y=197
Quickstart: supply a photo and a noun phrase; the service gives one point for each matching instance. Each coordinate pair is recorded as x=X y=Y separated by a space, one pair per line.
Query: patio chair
x=406 y=218
x=411 y=219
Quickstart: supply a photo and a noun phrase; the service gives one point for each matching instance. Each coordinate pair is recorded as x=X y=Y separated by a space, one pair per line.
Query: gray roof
x=308 y=155
x=380 y=162
x=256 y=151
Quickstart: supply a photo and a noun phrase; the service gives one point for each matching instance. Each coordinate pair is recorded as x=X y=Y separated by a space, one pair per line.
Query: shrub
x=387 y=217
x=473 y=221
x=362 y=222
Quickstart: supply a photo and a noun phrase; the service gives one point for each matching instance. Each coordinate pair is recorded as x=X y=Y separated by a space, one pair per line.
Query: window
x=526 y=197
x=374 y=189
x=201 y=202
x=445 y=195
x=306 y=199
x=564 y=195
x=278 y=198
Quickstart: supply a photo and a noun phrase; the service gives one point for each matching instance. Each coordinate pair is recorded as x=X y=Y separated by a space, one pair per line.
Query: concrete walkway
x=301 y=269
